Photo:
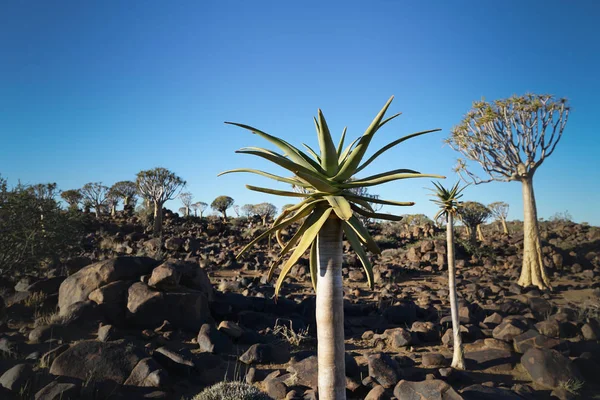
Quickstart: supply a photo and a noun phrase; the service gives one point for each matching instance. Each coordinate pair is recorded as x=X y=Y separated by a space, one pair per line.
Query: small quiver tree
x=158 y=185
x=94 y=195
x=126 y=191
x=221 y=204
x=327 y=210
x=72 y=197
x=447 y=200
x=473 y=214
x=510 y=139
x=499 y=210
x=199 y=206
x=186 y=199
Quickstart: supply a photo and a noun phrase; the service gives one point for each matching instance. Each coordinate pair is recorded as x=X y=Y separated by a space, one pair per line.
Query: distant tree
x=499 y=210
x=447 y=200
x=236 y=210
x=95 y=193
x=265 y=211
x=199 y=206
x=73 y=197
x=473 y=214
x=510 y=139
x=127 y=191
x=158 y=185
x=416 y=219
x=247 y=210
x=186 y=200
x=221 y=204
x=182 y=210
x=112 y=201
x=44 y=191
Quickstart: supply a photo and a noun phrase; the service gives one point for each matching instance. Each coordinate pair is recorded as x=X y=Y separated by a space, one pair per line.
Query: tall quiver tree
x=221 y=204
x=112 y=201
x=186 y=200
x=473 y=214
x=158 y=185
x=499 y=210
x=199 y=206
x=126 y=191
x=94 y=195
x=72 y=197
x=449 y=205
x=510 y=139
x=265 y=211
x=328 y=209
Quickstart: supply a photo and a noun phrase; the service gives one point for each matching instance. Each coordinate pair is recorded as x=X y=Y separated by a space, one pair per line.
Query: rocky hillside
x=137 y=317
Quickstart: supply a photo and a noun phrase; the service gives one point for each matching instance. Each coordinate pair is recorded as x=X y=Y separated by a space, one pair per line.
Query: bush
x=232 y=391
x=35 y=231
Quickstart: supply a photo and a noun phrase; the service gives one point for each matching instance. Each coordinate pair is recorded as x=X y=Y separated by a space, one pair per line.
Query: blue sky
x=99 y=90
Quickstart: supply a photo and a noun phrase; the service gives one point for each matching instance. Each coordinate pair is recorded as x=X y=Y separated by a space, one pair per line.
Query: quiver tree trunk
x=330 y=312
x=158 y=217
x=472 y=232
x=458 y=358
x=479 y=233
x=533 y=271
x=504 y=226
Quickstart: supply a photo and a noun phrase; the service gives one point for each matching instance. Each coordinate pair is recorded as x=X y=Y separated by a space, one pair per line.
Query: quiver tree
x=186 y=200
x=72 y=197
x=247 y=210
x=499 y=210
x=221 y=204
x=158 y=185
x=265 y=211
x=112 y=201
x=473 y=214
x=199 y=206
x=510 y=139
x=449 y=205
x=327 y=210
x=95 y=194
x=126 y=191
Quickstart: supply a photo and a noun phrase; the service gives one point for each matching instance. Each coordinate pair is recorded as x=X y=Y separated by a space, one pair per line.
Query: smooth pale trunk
x=479 y=233
x=533 y=271
x=330 y=312
x=458 y=359
x=224 y=215
x=158 y=216
x=113 y=210
x=504 y=226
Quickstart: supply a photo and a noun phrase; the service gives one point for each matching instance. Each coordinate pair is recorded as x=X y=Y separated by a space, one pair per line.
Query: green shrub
x=232 y=391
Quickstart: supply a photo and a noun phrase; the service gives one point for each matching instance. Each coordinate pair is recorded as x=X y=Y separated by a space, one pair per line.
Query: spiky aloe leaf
x=341 y=143
x=340 y=206
x=291 y=181
x=360 y=252
x=328 y=151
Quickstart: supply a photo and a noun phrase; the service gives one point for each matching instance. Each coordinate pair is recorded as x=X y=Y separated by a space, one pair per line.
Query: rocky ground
x=140 y=317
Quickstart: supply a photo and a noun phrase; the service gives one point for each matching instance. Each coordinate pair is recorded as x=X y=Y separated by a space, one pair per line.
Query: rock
x=430 y=389
x=107 y=332
x=147 y=373
x=404 y=314
x=47 y=286
x=212 y=340
x=539 y=307
x=231 y=329
x=480 y=392
x=488 y=358
x=532 y=339
x=591 y=330
x=48 y=358
x=114 y=292
x=98 y=361
x=377 y=393
x=549 y=328
x=398 y=338
x=433 y=360
x=494 y=319
x=146 y=306
x=265 y=354
x=304 y=372
x=56 y=390
x=179 y=362
x=549 y=368
x=426 y=331
x=78 y=286
x=508 y=329
x=17 y=377
x=275 y=388
x=383 y=369
x=174 y=243
x=165 y=277
x=44 y=332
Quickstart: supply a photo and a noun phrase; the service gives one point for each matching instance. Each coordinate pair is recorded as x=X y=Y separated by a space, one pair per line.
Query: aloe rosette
x=327 y=179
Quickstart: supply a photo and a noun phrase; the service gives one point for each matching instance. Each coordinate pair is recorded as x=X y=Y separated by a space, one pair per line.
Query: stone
x=56 y=390
x=165 y=277
x=377 y=393
x=433 y=360
x=481 y=392
x=549 y=328
x=179 y=362
x=48 y=286
x=265 y=354
x=532 y=339
x=107 y=332
x=540 y=308
x=147 y=373
x=383 y=369
x=275 y=388
x=426 y=331
x=508 y=329
x=549 y=368
x=404 y=314
x=212 y=340
x=398 y=338
x=17 y=377
x=591 y=330
x=174 y=243
x=78 y=286
x=432 y=389
x=304 y=372
x=231 y=329
x=487 y=358
x=114 y=292
x=493 y=319
x=99 y=361
x=48 y=358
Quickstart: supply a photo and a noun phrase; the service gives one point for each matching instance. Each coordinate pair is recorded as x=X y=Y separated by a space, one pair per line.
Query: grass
x=572 y=386
x=295 y=338
x=36 y=300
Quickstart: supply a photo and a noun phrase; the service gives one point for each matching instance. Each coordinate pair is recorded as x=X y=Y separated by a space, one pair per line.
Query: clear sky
x=98 y=90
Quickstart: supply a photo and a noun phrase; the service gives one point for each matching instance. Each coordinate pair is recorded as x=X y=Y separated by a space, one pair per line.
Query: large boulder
x=430 y=389
x=549 y=368
x=78 y=286
x=98 y=361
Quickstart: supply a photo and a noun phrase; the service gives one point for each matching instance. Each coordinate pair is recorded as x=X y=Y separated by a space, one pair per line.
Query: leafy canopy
x=328 y=187
x=447 y=199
